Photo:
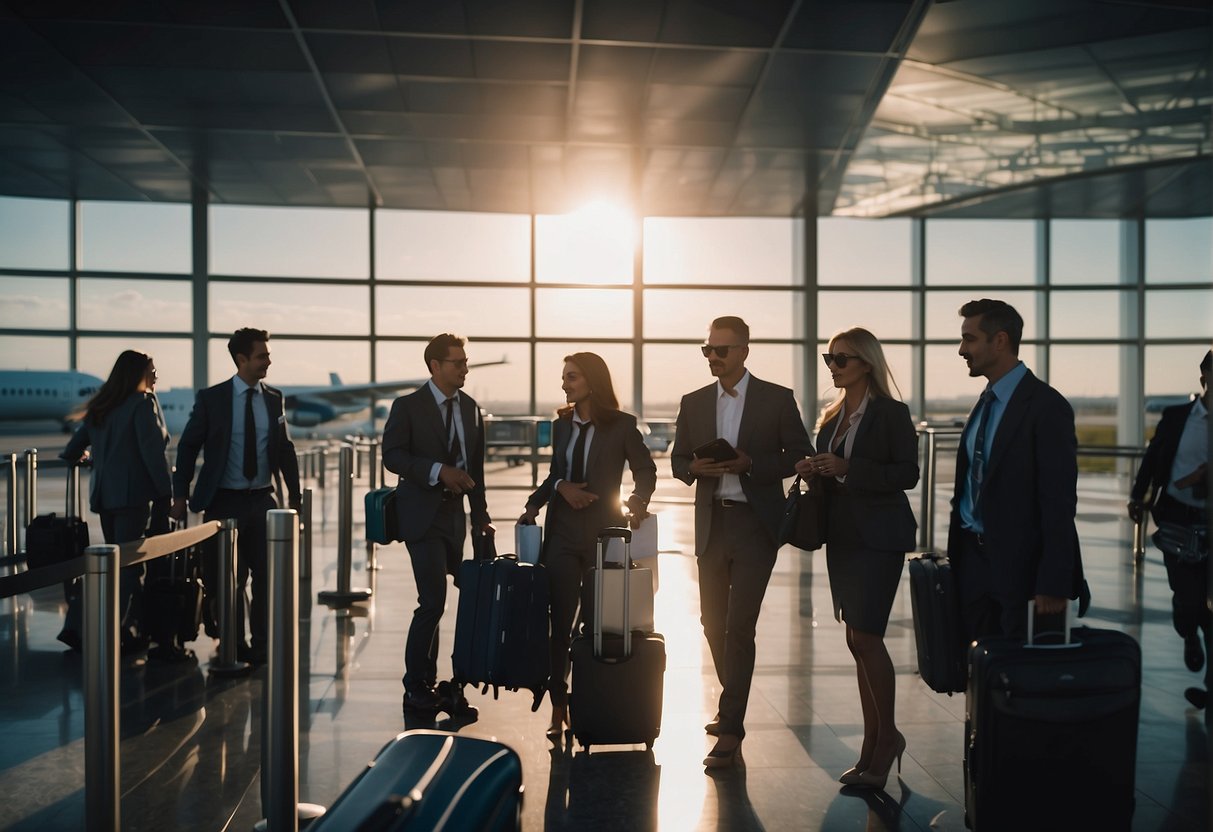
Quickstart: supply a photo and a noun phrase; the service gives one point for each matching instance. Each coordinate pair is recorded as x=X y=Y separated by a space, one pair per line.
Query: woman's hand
x=575 y=495
x=826 y=465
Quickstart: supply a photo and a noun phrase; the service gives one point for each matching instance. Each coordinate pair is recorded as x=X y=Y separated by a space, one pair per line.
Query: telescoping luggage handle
x=624 y=534
x=1066 y=643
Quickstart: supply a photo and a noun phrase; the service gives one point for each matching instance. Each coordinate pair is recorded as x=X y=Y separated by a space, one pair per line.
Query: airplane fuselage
x=45 y=394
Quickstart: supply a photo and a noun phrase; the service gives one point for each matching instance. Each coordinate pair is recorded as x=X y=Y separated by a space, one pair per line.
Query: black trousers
x=568 y=558
x=434 y=556
x=734 y=571
x=248 y=509
x=1189 y=582
x=117 y=526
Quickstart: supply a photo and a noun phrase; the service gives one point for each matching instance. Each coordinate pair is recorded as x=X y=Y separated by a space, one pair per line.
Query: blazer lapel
x=226 y=394
x=598 y=441
x=562 y=433
x=753 y=405
x=1014 y=413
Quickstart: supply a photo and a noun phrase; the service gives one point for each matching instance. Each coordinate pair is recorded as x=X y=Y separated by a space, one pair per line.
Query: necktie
x=250 y=437
x=452 y=453
x=977 y=466
x=578 y=472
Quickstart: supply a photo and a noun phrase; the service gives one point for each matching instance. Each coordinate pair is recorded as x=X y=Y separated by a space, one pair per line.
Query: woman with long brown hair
x=592 y=441
x=130 y=475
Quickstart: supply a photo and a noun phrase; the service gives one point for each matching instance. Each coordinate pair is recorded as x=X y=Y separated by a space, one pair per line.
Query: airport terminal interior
x=551 y=176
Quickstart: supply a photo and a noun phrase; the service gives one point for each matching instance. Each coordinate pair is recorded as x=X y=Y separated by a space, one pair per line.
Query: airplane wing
x=355 y=395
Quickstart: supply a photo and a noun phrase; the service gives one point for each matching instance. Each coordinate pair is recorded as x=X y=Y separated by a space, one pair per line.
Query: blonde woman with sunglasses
x=867 y=457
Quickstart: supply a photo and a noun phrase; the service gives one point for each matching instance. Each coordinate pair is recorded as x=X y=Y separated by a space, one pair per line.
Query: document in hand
x=644 y=548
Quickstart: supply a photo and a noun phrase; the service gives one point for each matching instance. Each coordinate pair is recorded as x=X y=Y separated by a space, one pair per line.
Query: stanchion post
x=71 y=507
x=30 y=509
x=280 y=749
x=10 y=529
x=1139 y=543
x=101 y=705
x=344 y=595
x=927 y=528
x=372 y=476
x=228 y=662
x=305 y=535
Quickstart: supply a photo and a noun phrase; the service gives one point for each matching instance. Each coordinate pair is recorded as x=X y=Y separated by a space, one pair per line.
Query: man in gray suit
x=434 y=439
x=738 y=508
x=240 y=427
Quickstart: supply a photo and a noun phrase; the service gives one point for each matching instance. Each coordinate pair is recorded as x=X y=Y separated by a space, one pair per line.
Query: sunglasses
x=838 y=359
x=721 y=351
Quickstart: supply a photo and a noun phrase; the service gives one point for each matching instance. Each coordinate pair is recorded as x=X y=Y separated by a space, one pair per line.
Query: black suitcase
x=432 y=780
x=935 y=603
x=172 y=599
x=616 y=692
x=51 y=539
x=1051 y=731
x=502 y=626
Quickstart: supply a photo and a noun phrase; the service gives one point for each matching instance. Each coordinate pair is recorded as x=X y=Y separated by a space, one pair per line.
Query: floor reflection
x=191 y=743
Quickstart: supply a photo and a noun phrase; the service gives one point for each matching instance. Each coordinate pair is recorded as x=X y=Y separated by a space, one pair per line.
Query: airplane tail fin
x=334 y=380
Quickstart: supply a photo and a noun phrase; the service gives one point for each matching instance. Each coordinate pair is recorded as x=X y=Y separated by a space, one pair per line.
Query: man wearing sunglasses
x=434 y=439
x=738 y=506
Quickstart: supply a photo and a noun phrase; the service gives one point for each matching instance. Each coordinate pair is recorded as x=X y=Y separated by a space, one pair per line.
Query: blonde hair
x=867 y=349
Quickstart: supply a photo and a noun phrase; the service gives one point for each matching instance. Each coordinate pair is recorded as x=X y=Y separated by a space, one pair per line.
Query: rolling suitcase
x=381 y=520
x=51 y=539
x=501 y=626
x=172 y=600
x=935 y=604
x=616 y=693
x=1051 y=731
x=432 y=780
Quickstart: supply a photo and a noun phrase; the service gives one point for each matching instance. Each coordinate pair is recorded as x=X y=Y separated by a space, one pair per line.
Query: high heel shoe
x=560 y=718
x=720 y=758
x=851 y=776
x=871 y=780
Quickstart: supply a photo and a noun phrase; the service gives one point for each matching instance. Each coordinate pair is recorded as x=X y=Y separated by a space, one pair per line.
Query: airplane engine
x=309 y=414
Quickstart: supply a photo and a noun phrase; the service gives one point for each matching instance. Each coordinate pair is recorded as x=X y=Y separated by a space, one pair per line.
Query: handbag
x=1189 y=544
x=804 y=515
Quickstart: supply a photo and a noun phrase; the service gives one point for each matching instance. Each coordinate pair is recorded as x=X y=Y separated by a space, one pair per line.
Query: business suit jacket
x=209 y=429
x=1028 y=498
x=883 y=466
x=414 y=438
x=615 y=444
x=1154 y=475
x=771 y=432
x=129 y=466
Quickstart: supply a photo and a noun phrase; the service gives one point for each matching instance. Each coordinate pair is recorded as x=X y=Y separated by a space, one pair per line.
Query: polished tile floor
x=190 y=752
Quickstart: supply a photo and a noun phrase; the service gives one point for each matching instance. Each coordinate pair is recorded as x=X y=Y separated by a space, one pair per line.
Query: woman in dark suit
x=592 y=441
x=869 y=457
x=130 y=476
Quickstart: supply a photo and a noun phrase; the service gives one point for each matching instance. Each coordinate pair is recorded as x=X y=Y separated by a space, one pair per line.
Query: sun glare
x=592 y=244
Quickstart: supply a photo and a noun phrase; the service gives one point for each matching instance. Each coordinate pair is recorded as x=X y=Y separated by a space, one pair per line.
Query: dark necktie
x=250 y=437
x=577 y=474
x=977 y=466
x=452 y=452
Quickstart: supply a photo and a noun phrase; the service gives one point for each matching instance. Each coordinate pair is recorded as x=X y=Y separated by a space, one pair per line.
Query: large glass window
x=588 y=313
x=135 y=237
x=137 y=305
x=887 y=315
x=452 y=246
x=294 y=308
x=1179 y=314
x=34 y=302
x=173 y=357
x=725 y=250
x=676 y=313
x=501 y=383
x=980 y=252
x=593 y=245
x=868 y=252
x=943 y=312
x=20 y=352
x=289 y=242
x=1086 y=251
x=298 y=362
x=428 y=310
x=1088 y=314
x=1179 y=251
x=34 y=233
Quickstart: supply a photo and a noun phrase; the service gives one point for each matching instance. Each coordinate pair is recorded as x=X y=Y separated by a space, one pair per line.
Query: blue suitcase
x=502 y=626
x=431 y=780
x=381 y=522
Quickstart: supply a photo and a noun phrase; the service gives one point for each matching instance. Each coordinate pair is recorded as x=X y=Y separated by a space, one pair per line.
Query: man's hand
x=575 y=495
x=1136 y=510
x=637 y=511
x=178 y=509
x=295 y=503
x=1193 y=478
x=455 y=480
x=488 y=529
x=739 y=465
x=1050 y=604
x=527 y=518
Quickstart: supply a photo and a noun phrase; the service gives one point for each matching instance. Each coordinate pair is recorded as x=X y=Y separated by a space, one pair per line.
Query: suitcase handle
x=1066 y=628
x=624 y=534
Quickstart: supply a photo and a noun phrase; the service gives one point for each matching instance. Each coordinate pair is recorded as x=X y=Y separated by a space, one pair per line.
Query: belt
x=251 y=492
x=729 y=504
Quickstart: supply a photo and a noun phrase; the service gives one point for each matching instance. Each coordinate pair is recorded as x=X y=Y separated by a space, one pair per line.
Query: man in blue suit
x=434 y=440
x=1012 y=536
x=240 y=426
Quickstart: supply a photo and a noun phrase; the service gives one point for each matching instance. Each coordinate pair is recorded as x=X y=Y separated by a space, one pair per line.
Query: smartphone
x=718 y=450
